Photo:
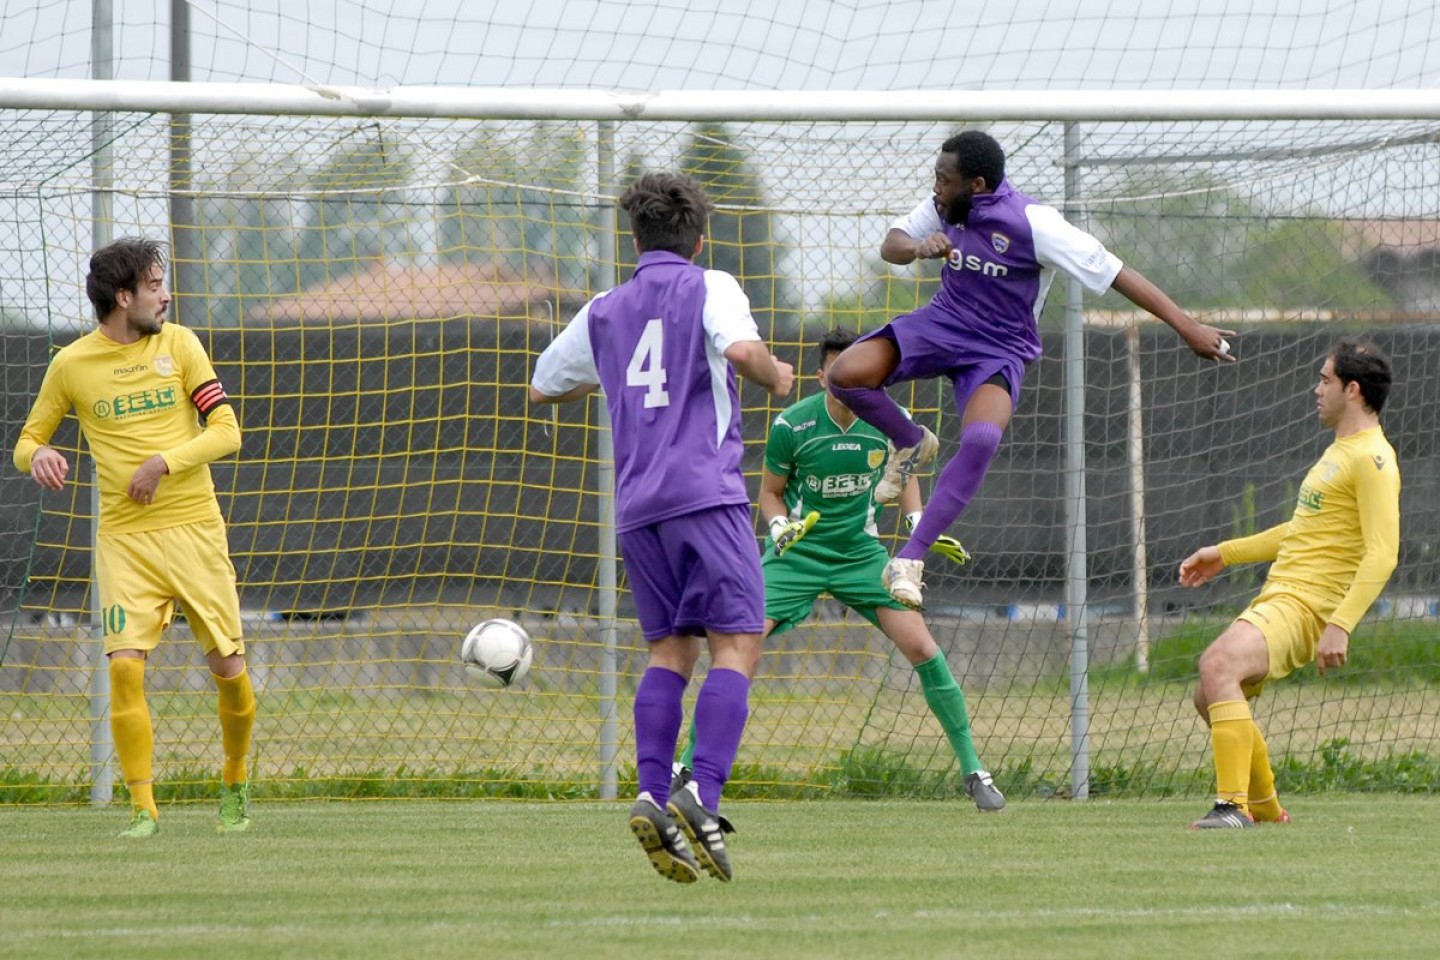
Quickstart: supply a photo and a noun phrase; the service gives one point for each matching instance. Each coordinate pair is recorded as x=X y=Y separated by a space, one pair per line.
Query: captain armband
x=208 y=396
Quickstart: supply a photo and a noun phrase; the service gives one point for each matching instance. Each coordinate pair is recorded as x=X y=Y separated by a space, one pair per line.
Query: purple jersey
x=1003 y=260
x=656 y=346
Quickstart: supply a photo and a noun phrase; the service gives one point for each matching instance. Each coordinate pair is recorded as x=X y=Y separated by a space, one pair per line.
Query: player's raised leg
x=986 y=412
x=1264 y=798
x=236 y=708
x=856 y=378
x=907 y=630
x=212 y=608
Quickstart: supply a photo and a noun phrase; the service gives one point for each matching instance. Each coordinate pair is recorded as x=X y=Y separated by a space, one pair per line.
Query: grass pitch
x=1354 y=876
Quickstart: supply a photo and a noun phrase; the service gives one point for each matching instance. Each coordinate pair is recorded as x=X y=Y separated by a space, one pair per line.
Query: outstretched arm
x=1205 y=341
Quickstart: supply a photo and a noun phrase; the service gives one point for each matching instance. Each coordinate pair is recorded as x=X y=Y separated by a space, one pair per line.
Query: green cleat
x=234 y=809
x=142 y=827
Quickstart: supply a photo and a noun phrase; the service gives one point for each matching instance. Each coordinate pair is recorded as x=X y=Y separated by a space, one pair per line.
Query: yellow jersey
x=1343 y=540
x=134 y=401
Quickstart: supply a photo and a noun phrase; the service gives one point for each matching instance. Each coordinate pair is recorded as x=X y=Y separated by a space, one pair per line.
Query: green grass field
x=1354 y=876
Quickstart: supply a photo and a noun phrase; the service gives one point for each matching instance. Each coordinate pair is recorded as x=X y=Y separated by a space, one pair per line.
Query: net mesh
x=374 y=293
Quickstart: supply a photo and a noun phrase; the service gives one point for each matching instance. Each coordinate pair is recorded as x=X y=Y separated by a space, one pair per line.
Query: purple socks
x=720 y=713
x=658 y=714
x=874 y=406
x=955 y=486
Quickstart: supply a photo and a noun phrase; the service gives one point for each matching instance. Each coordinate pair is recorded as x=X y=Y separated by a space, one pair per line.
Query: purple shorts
x=929 y=348
x=696 y=572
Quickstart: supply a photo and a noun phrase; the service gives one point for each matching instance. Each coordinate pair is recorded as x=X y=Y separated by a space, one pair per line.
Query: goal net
x=374 y=290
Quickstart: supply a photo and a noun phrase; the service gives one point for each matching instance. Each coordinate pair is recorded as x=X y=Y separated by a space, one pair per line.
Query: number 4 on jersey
x=645 y=368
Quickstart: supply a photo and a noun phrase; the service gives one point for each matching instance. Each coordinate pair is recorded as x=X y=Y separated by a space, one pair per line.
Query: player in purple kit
x=1001 y=249
x=661 y=346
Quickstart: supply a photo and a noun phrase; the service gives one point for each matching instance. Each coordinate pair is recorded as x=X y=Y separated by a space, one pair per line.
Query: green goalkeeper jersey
x=831 y=470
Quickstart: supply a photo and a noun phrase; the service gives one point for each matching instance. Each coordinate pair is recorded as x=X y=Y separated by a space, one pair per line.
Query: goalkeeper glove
x=952 y=549
x=787 y=533
x=945 y=545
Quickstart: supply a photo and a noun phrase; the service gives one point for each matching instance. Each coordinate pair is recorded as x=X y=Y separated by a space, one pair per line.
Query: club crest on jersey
x=164 y=365
x=1379 y=462
x=1000 y=242
x=874 y=459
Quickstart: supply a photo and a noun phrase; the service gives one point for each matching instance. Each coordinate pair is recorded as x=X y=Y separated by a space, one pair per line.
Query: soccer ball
x=497 y=653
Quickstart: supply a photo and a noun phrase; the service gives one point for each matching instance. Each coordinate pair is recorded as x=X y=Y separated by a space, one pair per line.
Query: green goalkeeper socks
x=947 y=702
x=687 y=756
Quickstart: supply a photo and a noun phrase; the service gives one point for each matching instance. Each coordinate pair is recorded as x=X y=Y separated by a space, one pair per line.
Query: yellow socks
x=237 y=719
x=1232 y=734
x=130 y=726
x=1262 y=781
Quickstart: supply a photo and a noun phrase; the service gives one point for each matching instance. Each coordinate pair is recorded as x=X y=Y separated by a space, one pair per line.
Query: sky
x=758 y=44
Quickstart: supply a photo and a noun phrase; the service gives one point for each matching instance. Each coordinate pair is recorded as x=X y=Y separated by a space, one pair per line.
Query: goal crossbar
x=505 y=103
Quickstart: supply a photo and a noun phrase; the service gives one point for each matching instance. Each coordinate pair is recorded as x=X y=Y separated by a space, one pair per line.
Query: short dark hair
x=977 y=154
x=835 y=340
x=121 y=265
x=1360 y=361
x=668 y=211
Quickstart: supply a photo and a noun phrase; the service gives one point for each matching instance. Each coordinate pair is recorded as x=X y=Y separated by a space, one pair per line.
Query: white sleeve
x=1059 y=243
x=921 y=222
x=569 y=361
x=727 y=312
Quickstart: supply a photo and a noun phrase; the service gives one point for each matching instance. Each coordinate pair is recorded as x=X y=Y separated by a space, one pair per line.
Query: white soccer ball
x=497 y=653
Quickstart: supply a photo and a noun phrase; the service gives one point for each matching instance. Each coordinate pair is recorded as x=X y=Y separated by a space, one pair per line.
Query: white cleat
x=902 y=466
x=904 y=581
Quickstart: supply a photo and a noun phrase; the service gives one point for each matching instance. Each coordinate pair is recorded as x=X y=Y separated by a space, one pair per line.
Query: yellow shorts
x=143 y=575
x=1291 y=625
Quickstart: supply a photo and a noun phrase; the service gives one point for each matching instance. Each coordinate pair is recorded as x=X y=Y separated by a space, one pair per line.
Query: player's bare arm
x=772 y=495
x=146 y=479
x=574 y=393
x=900 y=248
x=1203 y=340
x=753 y=360
x=1333 y=649
x=49 y=468
x=1198 y=568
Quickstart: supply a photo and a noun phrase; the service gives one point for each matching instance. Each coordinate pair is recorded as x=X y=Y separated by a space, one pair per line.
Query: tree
x=1208 y=247
x=879 y=296
x=742 y=238
x=247 y=240
x=518 y=201
x=1302 y=263
x=360 y=214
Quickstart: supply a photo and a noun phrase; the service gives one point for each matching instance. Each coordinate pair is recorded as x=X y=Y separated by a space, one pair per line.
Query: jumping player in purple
x=662 y=346
x=1001 y=249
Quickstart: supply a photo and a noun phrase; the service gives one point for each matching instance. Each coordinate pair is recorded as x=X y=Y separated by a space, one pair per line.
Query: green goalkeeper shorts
x=794 y=582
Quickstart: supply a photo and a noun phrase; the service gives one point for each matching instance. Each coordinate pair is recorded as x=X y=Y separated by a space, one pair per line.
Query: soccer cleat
x=1224 y=816
x=702 y=826
x=683 y=775
x=142 y=826
x=980 y=787
x=903 y=580
x=234 y=809
x=662 y=841
x=1283 y=818
x=902 y=466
